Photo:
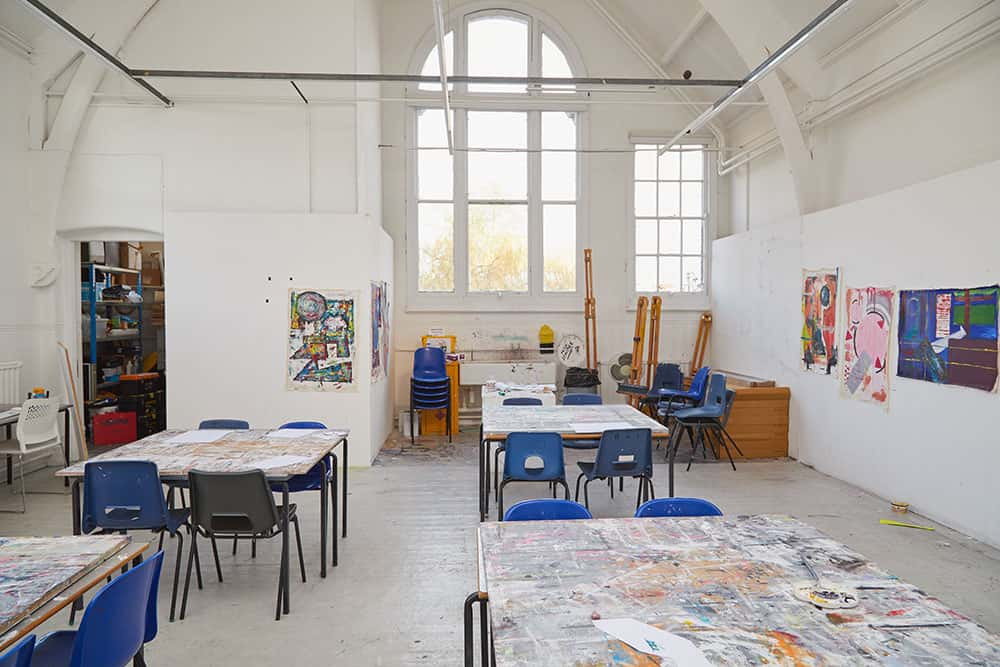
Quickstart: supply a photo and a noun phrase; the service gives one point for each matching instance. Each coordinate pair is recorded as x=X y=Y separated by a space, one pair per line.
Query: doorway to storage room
x=123 y=340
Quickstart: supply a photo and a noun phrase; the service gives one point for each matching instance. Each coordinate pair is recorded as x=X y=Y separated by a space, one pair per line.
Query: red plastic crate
x=114 y=428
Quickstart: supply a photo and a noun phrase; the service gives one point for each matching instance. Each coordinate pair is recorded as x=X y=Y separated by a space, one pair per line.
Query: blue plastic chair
x=677 y=507
x=232 y=424
x=430 y=386
x=515 y=401
x=668 y=377
x=671 y=399
x=114 y=625
x=582 y=399
x=520 y=447
x=19 y=655
x=119 y=496
x=546 y=509
x=429 y=365
x=621 y=453
x=708 y=421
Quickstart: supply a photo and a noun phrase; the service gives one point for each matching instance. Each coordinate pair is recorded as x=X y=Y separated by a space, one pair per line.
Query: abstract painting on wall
x=321 y=330
x=819 y=320
x=865 y=370
x=949 y=336
x=380 y=330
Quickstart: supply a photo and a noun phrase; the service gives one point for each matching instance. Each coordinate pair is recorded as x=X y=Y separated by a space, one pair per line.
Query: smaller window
x=432 y=67
x=497 y=46
x=670 y=218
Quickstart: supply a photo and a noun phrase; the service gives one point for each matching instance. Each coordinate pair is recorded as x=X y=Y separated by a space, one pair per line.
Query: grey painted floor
x=409 y=559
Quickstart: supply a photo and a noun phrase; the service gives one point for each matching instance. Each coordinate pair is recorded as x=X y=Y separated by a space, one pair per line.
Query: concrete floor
x=409 y=559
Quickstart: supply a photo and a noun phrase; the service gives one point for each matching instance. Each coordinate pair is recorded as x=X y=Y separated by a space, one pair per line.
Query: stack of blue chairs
x=708 y=421
x=430 y=386
x=676 y=399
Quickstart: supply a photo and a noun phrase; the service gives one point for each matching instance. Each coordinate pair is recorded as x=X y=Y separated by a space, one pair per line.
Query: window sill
x=493 y=303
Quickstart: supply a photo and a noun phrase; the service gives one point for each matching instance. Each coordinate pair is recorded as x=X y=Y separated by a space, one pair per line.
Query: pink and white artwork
x=865 y=371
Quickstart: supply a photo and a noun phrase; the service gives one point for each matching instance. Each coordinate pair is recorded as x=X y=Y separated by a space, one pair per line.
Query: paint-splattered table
x=281 y=454
x=572 y=422
x=39 y=576
x=723 y=583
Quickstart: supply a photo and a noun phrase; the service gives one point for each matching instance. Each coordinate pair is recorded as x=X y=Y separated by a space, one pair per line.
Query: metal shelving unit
x=94 y=303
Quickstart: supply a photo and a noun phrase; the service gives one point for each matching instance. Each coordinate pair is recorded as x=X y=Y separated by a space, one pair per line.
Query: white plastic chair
x=37 y=430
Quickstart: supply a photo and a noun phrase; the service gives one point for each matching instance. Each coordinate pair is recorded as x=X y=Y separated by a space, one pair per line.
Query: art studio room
x=499 y=332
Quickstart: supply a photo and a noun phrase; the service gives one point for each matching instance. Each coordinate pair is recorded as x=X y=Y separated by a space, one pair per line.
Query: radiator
x=10 y=382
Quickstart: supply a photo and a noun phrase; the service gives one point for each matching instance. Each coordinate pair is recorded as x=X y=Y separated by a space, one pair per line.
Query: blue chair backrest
x=546 y=509
x=699 y=382
x=677 y=507
x=667 y=376
x=522 y=400
x=232 y=424
x=730 y=397
x=122 y=495
x=715 y=397
x=428 y=362
x=582 y=399
x=303 y=424
x=625 y=453
x=19 y=655
x=114 y=625
x=154 y=587
x=522 y=446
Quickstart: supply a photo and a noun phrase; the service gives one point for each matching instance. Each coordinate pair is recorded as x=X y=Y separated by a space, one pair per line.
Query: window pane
x=645 y=274
x=645 y=199
x=434 y=174
x=431 y=130
x=436 y=240
x=558 y=130
x=692 y=163
x=692 y=237
x=431 y=67
x=559 y=247
x=670 y=165
x=645 y=237
x=645 y=162
x=497 y=46
x=691 y=199
x=498 y=248
x=691 y=274
x=554 y=64
x=559 y=176
x=498 y=129
x=670 y=237
x=670 y=269
x=670 y=204
x=498 y=176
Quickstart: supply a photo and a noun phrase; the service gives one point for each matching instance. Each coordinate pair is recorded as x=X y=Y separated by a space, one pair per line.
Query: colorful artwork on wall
x=819 y=320
x=321 y=329
x=949 y=336
x=380 y=330
x=865 y=370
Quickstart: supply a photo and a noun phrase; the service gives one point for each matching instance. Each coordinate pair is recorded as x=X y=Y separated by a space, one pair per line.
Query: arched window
x=497 y=222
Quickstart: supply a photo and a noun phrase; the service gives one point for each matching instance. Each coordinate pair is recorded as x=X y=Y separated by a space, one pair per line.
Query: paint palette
x=826 y=597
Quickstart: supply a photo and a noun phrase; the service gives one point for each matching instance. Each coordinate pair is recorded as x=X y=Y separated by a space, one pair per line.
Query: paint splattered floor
x=409 y=560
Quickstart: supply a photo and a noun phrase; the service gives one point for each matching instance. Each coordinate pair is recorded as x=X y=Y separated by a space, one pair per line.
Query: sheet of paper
x=293 y=433
x=599 y=427
x=647 y=639
x=282 y=461
x=199 y=436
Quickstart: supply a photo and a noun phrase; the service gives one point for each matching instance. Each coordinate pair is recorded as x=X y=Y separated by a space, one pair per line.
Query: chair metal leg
x=187 y=577
x=333 y=506
x=500 y=501
x=586 y=496
x=253 y=547
x=281 y=583
x=298 y=545
x=197 y=569
x=215 y=553
x=234 y=545
x=177 y=572
x=412 y=440
x=576 y=496
x=159 y=547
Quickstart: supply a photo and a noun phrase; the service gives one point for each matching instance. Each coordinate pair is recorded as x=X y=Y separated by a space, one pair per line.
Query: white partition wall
x=227 y=318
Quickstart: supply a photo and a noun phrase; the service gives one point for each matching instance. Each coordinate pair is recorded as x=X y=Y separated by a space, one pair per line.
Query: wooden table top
x=565 y=420
x=724 y=583
x=240 y=450
x=34 y=570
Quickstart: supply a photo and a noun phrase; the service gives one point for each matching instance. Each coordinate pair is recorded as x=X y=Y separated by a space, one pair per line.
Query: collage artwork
x=321 y=335
x=380 y=330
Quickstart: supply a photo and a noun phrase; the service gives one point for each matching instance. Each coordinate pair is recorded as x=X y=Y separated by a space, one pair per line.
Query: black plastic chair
x=706 y=425
x=523 y=446
x=621 y=453
x=668 y=377
x=237 y=505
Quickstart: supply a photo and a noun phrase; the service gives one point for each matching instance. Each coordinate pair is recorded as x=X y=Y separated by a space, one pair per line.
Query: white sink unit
x=512 y=372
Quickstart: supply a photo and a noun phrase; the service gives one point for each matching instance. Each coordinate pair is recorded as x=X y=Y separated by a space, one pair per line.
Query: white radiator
x=10 y=382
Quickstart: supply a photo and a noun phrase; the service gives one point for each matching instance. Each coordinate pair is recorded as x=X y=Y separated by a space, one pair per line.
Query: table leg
x=467 y=621
x=324 y=492
x=344 y=493
x=482 y=472
x=670 y=470
x=285 y=569
x=66 y=442
x=76 y=505
x=10 y=463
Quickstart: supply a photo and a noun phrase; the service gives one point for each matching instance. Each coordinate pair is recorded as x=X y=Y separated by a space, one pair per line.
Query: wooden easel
x=704 y=326
x=590 y=312
x=638 y=340
x=653 y=358
x=78 y=407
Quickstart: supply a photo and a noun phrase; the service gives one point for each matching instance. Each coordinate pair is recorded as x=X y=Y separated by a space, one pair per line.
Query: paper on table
x=293 y=433
x=279 y=461
x=647 y=639
x=201 y=435
x=599 y=427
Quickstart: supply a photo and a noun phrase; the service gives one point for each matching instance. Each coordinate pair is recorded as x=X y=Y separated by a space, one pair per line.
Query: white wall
x=227 y=323
x=936 y=447
x=603 y=203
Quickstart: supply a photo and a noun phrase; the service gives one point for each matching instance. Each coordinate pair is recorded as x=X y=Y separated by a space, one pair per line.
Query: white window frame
x=533 y=103
x=678 y=300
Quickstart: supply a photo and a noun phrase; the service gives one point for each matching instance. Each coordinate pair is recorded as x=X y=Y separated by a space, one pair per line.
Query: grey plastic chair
x=237 y=505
